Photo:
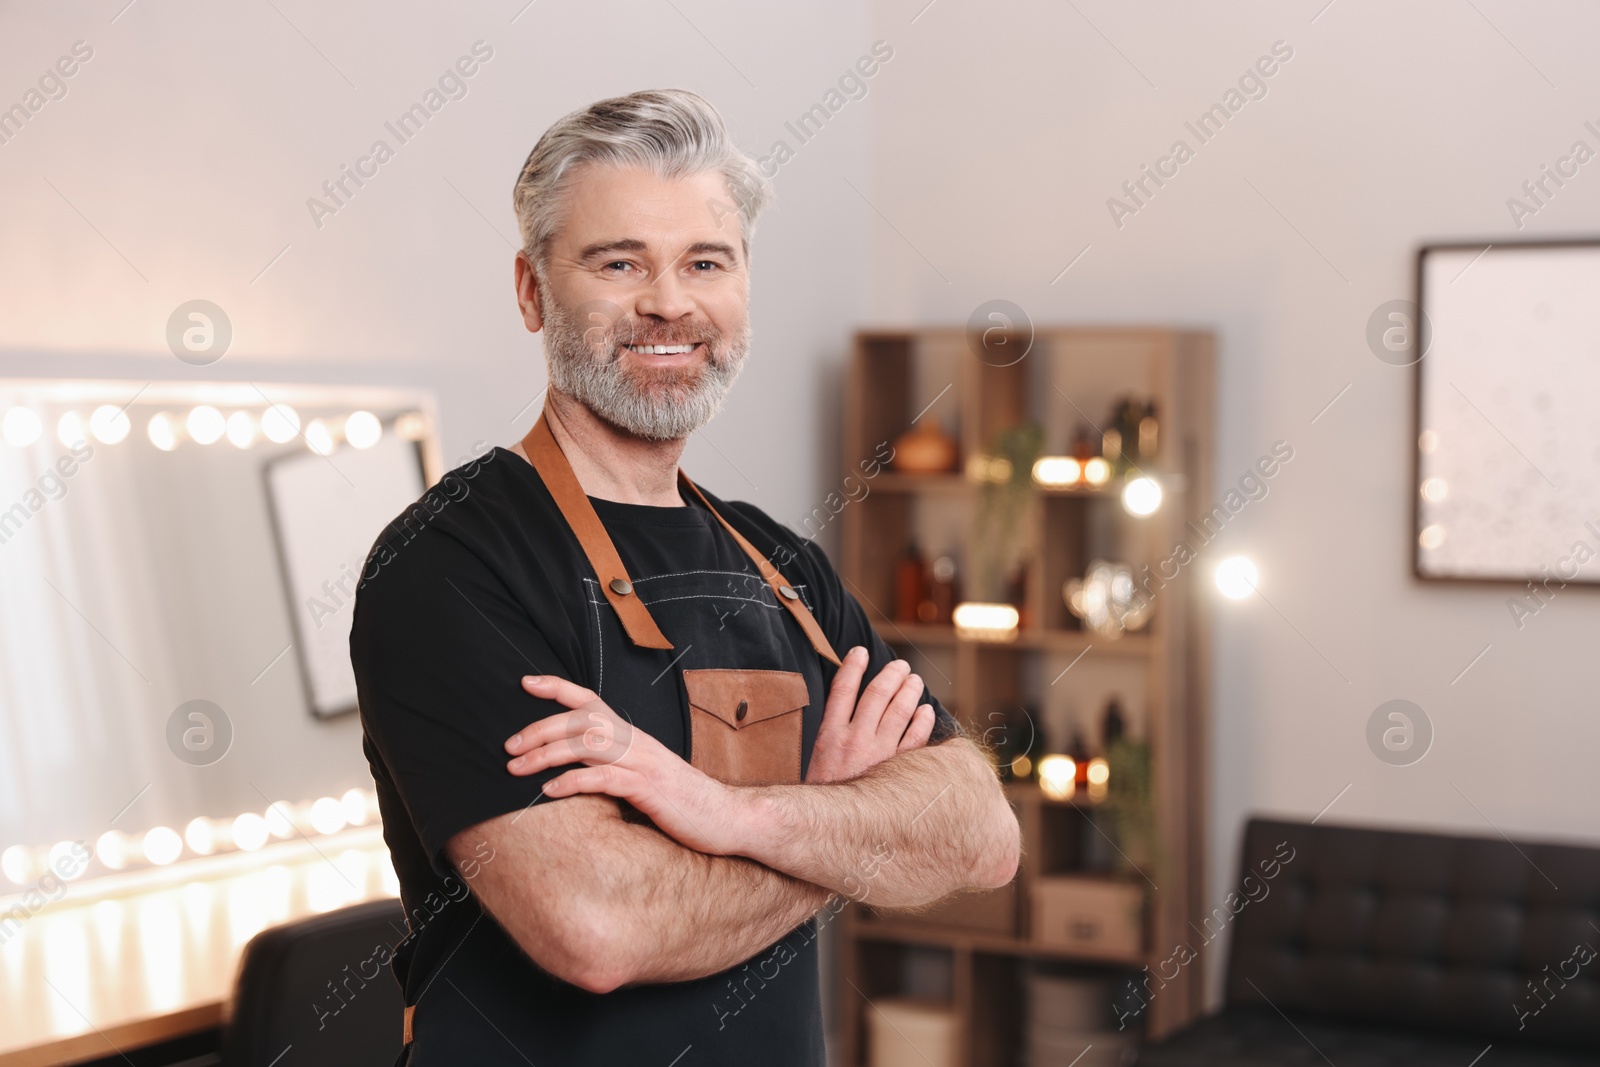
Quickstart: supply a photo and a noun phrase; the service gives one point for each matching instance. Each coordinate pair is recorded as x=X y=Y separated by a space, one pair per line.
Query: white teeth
x=661 y=350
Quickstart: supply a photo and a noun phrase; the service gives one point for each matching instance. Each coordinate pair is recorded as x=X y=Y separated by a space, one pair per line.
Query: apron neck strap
x=551 y=463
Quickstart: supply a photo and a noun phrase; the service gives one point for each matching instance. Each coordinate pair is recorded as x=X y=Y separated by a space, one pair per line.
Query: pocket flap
x=763 y=694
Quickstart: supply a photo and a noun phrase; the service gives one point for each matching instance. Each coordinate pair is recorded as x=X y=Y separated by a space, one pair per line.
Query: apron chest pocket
x=745 y=724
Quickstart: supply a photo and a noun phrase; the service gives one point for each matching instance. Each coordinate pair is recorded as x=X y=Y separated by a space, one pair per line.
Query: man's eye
x=617 y=263
x=707 y=263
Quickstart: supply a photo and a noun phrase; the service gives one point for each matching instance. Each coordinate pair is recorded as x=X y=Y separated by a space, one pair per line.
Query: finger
x=584 y=719
x=559 y=689
x=869 y=709
x=901 y=707
x=919 y=731
x=842 y=694
x=611 y=781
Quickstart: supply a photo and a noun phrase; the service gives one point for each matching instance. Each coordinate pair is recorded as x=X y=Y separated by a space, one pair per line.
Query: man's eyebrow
x=605 y=248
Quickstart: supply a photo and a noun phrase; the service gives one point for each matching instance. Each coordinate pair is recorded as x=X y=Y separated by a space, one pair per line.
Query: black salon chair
x=319 y=988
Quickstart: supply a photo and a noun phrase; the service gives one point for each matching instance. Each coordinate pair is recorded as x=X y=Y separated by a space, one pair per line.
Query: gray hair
x=673 y=132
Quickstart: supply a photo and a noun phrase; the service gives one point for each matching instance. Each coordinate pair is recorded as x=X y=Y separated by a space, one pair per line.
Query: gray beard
x=583 y=354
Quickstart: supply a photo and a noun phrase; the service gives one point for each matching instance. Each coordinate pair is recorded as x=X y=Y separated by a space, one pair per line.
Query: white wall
x=998 y=137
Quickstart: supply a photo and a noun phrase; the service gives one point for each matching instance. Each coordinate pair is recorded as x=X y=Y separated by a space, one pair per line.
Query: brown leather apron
x=746 y=724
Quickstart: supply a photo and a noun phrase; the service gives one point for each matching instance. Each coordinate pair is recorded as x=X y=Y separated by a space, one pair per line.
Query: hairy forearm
x=936 y=818
x=605 y=902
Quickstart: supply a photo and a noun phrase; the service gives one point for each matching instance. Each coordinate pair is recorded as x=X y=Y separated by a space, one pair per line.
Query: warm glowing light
x=200 y=837
x=112 y=849
x=1058 y=777
x=280 y=423
x=1141 y=496
x=71 y=429
x=249 y=831
x=241 y=429
x=354 y=806
x=1237 y=577
x=21 y=427
x=16 y=863
x=319 y=435
x=67 y=860
x=1022 y=766
x=327 y=817
x=162 y=845
x=1427 y=441
x=1099 y=772
x=986 y=622
x=110 y=424
x=411 y=426
x=1056 y=471
x=1431 y=536
x=362 y=429
x=279 y=820
x=205 y=424
x=1435 y=489
x=1096 y=471
x=163 y=430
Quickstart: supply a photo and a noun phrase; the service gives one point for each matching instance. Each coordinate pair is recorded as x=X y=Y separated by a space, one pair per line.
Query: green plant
x=999 y=528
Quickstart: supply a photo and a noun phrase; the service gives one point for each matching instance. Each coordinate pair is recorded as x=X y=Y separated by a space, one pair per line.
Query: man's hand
x=856 y=736
x=684 y=802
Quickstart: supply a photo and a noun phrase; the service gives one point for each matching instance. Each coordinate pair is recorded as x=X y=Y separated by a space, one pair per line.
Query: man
x=621 y=765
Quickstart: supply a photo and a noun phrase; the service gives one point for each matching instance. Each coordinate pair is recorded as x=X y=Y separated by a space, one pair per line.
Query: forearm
x=602 y=902
x=680 y=914
x=936 y=818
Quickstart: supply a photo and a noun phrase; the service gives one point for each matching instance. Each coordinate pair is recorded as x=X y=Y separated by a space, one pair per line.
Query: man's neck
x=609 y=463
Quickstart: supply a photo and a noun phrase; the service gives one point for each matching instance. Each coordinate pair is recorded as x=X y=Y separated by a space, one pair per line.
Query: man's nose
x=666 y=297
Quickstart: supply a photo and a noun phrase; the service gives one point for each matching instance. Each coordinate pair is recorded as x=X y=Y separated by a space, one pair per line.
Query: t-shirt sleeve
x=846 y=625
x=440 y=647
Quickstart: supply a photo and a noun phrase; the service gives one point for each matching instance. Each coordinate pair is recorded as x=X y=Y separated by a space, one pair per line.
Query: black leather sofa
x=1371 y=948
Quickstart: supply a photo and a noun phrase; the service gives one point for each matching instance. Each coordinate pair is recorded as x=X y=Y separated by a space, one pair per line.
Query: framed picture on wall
x=1507 y=475
x=327 y=511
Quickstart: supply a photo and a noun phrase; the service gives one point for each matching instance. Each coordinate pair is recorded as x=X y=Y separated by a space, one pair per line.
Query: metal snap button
x=742 y=710
x=621 y=586
x=788 y=591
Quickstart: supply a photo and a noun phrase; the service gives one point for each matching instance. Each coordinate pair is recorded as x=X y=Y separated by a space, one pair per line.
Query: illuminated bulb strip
x=986 y=622
x=1058 y=777
x=161 y=846
x=1057 y=472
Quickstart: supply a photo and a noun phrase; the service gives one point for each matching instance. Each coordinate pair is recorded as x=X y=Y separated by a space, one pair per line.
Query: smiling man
x=610 y=703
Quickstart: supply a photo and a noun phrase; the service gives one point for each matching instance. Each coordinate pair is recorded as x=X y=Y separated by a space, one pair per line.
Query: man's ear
x=528 y=293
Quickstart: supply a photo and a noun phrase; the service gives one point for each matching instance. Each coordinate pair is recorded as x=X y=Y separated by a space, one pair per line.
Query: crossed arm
x=727 y=870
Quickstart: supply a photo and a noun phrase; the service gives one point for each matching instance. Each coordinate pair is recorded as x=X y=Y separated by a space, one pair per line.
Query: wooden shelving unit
x=1069 y=378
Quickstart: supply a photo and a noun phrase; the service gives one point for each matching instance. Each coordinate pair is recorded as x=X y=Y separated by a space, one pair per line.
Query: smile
x=662 y=350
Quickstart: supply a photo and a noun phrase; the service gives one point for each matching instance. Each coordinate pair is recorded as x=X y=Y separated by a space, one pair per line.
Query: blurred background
x=988 y=157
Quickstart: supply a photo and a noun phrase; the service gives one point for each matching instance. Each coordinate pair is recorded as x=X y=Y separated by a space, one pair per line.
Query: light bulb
x=249 y=831
x=362 y=429
x=1141 y=496
x=1056 y=470
x=280 y=423
x=327 y=817
x=354 y=806
x=112 y=849
x=162 y=845
x=241 y=429
x=1237 y=577
x=71 y=429
x=205 y=424
x=16 y=863
x=163 y=430
x=20 y=427
x=279 y=821
x=319 y=435
x=1096 y=471
x=109 y=424
x=67 y=860
x=200 y=836
x=1058 y=777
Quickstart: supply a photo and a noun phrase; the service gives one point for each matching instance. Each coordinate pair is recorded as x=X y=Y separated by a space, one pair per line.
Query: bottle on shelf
x=910 y=581
x=942 y=595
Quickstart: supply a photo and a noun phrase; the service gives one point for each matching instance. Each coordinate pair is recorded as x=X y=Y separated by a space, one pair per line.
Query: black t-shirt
x=477 y=584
